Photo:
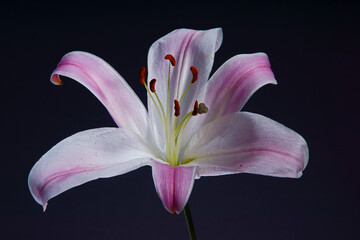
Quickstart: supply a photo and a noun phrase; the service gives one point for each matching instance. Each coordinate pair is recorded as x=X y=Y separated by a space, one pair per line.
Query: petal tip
x=45 y=206
x=219 y=38
x=55 y=79
x=173 y=185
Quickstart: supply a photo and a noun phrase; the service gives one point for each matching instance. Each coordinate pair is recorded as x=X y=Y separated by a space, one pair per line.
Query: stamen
x=142 y=75
x=194 y=78
x=152 y=85
x=195 y=74
x=196 y=109
x=55 y=79
x=176 y=108
x=152 y=89
x=172 y=130
x=171 y=59
x=202 y=108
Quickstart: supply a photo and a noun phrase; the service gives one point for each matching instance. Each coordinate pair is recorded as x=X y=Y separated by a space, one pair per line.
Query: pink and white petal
x=107 y=85
x=231 y=86
x=235 y=81
x=247 y=142
x=173 y=184
x=82 y=157
x=190 y=48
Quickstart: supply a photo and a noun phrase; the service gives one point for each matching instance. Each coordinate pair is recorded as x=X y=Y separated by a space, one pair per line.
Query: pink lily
x=206 y=135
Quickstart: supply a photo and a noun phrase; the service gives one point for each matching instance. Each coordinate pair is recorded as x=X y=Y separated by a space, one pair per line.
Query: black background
x=314 y=52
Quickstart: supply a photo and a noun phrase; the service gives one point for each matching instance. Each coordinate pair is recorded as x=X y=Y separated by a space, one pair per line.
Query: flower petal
x=235 y=81
x=231 y=86
x=107 y=85
x=82 y=157
x=247 y=142
x=173 y=184
x=190 y=48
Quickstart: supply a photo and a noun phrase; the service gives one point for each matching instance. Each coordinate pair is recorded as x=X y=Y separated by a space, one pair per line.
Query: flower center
x=173 y=127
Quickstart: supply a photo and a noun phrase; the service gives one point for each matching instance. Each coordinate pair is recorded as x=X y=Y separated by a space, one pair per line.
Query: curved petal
x=235 y=81
x=190 y=48
x=173 y=184
x=231 y=86
x=82 y=157
x=107 y=85
x=247 y=142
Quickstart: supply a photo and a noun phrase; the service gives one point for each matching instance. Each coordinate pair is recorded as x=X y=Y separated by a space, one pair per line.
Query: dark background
x=314 y=52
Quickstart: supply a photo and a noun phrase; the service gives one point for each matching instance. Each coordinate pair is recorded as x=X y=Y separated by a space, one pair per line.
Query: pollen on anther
x=142 y=75
x=152 y=85
x=196 y=108
x=171 y=59
x=195 y=74
x=176 y=108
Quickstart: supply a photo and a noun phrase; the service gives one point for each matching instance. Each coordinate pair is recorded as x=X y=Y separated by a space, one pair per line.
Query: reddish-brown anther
x=195 y=74
x=177 y=108
x=196 y=108
x=171 y=59
x=152 y=85
x=142 y=75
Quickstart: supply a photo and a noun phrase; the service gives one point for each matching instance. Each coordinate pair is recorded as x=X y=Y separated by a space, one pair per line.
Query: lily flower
x=193 y=126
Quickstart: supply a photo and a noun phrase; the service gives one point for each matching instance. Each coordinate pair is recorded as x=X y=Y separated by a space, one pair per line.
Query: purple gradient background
x=314 y=52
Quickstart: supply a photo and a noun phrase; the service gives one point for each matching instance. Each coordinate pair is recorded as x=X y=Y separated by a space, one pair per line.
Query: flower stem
x=189 y=222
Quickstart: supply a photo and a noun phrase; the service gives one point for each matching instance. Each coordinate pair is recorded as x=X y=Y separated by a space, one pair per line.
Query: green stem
x=189 y=222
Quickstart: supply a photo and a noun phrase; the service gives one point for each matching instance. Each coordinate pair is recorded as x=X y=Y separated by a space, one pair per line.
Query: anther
x=55 y=79
x=152 y=85
x=142 y=75
x=176 y=108
x=202 y=108
x=171 y=59
x=196 y=108
x=195 y=74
